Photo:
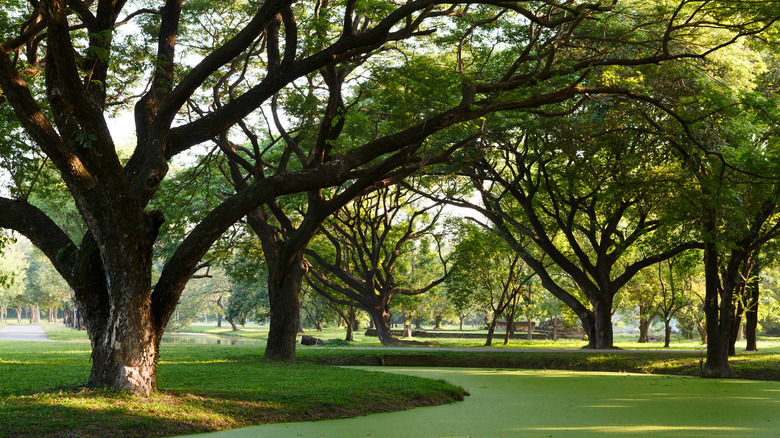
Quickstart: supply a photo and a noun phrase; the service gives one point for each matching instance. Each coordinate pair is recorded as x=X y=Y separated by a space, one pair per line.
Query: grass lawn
x=622 y=341
x=203 y=388
x=220 y=387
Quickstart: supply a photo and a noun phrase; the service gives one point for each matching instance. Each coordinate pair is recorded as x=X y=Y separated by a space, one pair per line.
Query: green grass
x=59 y=332
x=203 y=388
x=622 y=341
x=763 y=366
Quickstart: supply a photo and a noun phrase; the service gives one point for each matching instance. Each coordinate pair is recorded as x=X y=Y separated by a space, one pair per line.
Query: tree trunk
x=351 y=316
x=555 y=329
x=407 y=321
x=126 y=358
x=460 y=319
x=380 y=316
x=644 y=327
x=437 y=322
x=284 y=296
x=751 y=312
x=667 y=332
x=600 y=337
x=530 y=329
x=718 y=317
x=491 y=329
x=736 y=326
x=510 y=324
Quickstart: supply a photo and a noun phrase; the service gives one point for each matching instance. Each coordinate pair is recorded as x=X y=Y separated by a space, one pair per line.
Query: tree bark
x=644 y=327
x=380 y=316
x=751 y=312
x=351 y=316
x=736 y=326
x=667 y=332
x=718 y=318
x=407 y=321
x=284 y=297
x=601 y=337
x=491 y=329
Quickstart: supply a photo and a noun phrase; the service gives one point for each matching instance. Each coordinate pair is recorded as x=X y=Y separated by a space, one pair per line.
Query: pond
x=194 y=338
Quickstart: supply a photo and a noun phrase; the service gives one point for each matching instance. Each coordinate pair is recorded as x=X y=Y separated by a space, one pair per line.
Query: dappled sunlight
x=21 y=362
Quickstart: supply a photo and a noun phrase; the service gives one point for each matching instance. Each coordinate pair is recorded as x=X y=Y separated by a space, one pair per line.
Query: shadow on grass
x=201 y=389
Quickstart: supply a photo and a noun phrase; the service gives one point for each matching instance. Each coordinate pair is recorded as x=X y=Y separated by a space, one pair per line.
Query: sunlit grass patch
x=202 y=388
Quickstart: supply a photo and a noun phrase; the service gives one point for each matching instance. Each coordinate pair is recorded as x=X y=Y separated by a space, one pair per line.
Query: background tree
x=641 y=295
x=487 y=270
x=44 y=288
x=375 y=248
x=675 y=277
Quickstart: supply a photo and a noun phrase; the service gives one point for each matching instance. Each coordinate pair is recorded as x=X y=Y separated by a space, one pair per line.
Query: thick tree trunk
x=284 y=297
x=530 y=329
x=124 y=331
x=600 y=337
x=718 y=318
x=380 y=316
x=127 y=358
x=644 y=327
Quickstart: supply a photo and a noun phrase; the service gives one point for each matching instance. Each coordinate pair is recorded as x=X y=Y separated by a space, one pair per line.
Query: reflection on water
x=175 y=338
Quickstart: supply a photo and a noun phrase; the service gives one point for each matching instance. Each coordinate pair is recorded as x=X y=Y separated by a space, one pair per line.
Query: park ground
x=221 y=387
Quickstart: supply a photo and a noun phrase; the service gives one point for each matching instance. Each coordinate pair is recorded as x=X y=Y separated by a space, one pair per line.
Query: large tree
x=587 y=194
x=66 y=65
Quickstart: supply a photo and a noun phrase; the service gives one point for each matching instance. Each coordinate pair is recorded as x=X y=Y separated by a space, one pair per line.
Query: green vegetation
x=203 y=388
x=622 y=341
x=567 y=404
